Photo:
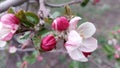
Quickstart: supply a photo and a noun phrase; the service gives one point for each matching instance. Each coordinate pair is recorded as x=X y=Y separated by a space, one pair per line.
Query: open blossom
x=60 y=24
x=8 y=26
x=80 y=42
x=48 y=43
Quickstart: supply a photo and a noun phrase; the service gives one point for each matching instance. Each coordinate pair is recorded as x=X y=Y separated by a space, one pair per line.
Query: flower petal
x=12 y=49
x=2 y=43
x=73 y=23
x=74 y=41
x=77 y=55
x=7 y=32
x=88 y=45
x=86 y=29
x=73 y=36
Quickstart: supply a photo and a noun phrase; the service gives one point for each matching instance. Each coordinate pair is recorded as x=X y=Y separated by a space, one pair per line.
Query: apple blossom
x=48 y=43
x=80 y=42
x=60 y=24
x=8 y=26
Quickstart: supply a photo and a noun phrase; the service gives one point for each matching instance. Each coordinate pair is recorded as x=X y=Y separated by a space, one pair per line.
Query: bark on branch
x=62 y=5
x=8 y=3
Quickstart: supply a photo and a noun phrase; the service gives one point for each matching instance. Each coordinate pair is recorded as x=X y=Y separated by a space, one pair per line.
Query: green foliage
x=48 y=20
x=19 y=64
x=23 y=38
x=28 y=19
x=101 y=39
x=10 y=10
x=55 y=14
x=84 y=3
x=31 y=59
x=76 y=64
x=62 y=59
x=32 y=17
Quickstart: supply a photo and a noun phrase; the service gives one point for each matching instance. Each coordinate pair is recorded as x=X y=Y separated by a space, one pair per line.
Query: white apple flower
x=80 y=42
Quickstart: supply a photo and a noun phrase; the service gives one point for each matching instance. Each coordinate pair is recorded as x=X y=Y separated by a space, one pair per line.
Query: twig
x=33 y=49
x=8 y=3
x=62 y=5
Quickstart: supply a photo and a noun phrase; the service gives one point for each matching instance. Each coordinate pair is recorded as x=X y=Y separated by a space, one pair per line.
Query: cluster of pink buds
x=79 y=41
x=117 y=51
x=8 y=26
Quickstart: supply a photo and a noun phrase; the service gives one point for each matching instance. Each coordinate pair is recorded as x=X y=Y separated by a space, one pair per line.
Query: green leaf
x=84 y=3
x=22 y=17
x=32 y=17
x=10 y=10
x=43 y=31
x=30 y=59
x=76 y=64
x=23 y=38
x=55 y=14
x=108 y=49
x=48 y=20
x=18 y=64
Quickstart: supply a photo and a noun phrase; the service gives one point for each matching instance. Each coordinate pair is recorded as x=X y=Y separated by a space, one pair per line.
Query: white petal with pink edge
x=2 y=44
x=74 y=40
x=86 y=29
x=74 y=37
x=88 y=45
x=73 y=23
x=77 y=55
x=6 y=32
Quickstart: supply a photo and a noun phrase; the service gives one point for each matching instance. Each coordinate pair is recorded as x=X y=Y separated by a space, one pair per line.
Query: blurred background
x=106 y=17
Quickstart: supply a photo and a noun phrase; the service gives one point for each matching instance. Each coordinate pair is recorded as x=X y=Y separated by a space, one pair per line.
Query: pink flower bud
x=48 y=43
x=60 y=24
x=8 y=26
x=24 y=64
x=86 y=54
x=116 y=56
x=39 y=58
x=118 y=30
x=95 y=2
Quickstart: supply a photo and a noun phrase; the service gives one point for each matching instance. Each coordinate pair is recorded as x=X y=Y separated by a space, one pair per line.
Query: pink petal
x=88 y=45
x=6 y=32
x=73 y=23
x=86 y=29
x=77 y=55
x=8 y=37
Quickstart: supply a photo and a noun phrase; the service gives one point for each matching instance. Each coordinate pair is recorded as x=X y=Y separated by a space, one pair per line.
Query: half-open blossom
x=48 y=43
x=8 y=26
x=60 y=24
x=80 y=42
